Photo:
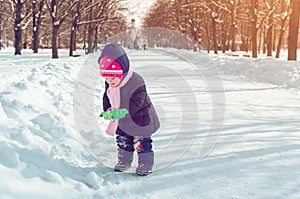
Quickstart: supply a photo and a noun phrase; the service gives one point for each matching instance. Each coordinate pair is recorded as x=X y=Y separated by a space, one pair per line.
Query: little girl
x=125 y=89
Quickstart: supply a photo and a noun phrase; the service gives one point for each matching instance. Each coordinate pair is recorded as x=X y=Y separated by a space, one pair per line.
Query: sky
x=138 y=8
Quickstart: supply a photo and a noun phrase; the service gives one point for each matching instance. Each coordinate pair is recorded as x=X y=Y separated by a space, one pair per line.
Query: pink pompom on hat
x=110 y=68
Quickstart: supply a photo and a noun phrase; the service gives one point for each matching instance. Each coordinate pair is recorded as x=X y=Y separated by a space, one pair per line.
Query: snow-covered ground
x=230 y=127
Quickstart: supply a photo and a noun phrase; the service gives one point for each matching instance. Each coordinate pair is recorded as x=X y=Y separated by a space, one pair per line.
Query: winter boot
x=145 y=161
x=125 y=160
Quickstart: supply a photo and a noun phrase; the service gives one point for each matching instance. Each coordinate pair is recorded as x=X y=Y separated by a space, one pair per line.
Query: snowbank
x=263 y=69
x=42 y=155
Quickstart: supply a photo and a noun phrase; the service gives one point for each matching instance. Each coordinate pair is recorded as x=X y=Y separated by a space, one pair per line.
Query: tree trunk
x=90 y=41
x=260 y=35
x=269 y=37
x=34 y=27
x=195 y=37
x=205 y=24
x=254 y=8
x=274 y=39
x=75 y=40
x=269 y=40
x=0 y=37
x=84 y=37
x=90 y=31
x=25 y=41
x=293 y=30
x=282 y=28
x=214 y=35
x=72 y=40
x=73 y=30
x=54 y=42
x=17 y=28
x=279 y=42
x=224 y=37
x=36 y=22
x=96 y=39
x=262 y=41
x=233 y=26
x=1 y=26
x=18 y=41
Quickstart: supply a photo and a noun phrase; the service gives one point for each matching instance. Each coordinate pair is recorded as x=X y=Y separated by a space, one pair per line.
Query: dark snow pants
x=127 y=144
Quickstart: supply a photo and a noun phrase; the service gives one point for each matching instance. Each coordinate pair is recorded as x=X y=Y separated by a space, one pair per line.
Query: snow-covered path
x=256 y=155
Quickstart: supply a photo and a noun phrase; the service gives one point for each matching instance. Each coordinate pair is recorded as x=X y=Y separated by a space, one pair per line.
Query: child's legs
x=145 y=153
x=144 y=145
x=125 y=141
x=125 y=144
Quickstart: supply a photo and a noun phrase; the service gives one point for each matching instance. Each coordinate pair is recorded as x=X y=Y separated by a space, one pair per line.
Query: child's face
x=113 y=81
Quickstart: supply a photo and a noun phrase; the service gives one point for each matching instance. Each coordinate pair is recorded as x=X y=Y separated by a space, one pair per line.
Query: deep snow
x=230 y=127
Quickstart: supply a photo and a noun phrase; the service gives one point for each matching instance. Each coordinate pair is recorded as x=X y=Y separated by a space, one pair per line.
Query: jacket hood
x=116 y=52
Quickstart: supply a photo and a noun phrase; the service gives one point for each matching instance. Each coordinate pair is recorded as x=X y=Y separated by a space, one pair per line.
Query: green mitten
x=114 y=114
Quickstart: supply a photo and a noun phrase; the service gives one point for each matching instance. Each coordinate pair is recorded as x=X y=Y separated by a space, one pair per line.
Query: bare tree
x=21 y=13
x=220 y=23
x=90 y=27
x=271 y=5
x=4 y=21
x=58 y=10
x=111 y=20
x=205 y=22
x=1 y=26
x=253 y=25
x=207 y=32
x=93 y=16
x=254 y=10
x=233 y=10
x=79 y=16
x=256 y=19
x=214 y=17
x=193 y=23
x=293 y=30
x=37 y=12
x=227 y=22
x=184 y=16
x=163 y=14
x=284 y=14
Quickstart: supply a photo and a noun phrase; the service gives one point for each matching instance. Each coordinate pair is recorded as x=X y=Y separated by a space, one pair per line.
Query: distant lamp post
x=134 y=35
x=133 y=23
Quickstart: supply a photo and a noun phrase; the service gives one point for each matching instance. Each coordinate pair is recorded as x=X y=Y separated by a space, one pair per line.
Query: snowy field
x=230 y=127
